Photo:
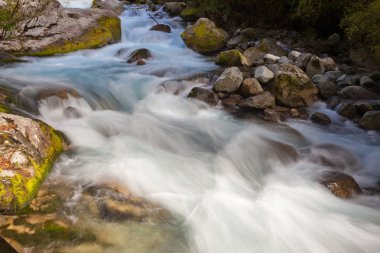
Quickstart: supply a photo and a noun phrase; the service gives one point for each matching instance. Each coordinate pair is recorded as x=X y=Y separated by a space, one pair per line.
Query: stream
x=226 y=180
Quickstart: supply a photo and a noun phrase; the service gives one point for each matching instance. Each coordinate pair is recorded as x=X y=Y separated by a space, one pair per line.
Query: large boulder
x=292 y=87
x=28 y=150
x=204 y=37
x=261 y=101
x=230 y=58
x=371 y=120
x=254 y=56
x=205 y=95
x=229 y=81
x=270 y=46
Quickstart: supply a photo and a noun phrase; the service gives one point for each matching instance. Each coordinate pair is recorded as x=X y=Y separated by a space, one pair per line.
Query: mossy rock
x=28 y=150
x=204 y=37
x=230 y=58
x=191 y=14
x=106 y=31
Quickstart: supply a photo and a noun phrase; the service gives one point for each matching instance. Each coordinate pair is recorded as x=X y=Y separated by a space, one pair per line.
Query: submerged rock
x=321 y=119
x=229 y=81
x=204 y=95
x=161 y=28
x=340 y=184
x=138 y=55
x=204 y=37
x=28 y=150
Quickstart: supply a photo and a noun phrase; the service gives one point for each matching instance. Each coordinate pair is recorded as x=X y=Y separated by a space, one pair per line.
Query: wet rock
x=27 y=151
x=357 y=93
x=230 y=58
x=315 y=66
x=254 y=56
x=233 y=100
x=72 y=113
x=229 y=81
x=333 y=102
x=204 y=95
x=371 y=120
x=261 y=101
x=204 y=37
x=139 y=54
x=294 y=113
x=303 y=60
x=329 y=64
x=263 y=74
x=270 y=46
x=340 y=184
x=174 y=8
x=347 y=110
x=293 y=56
x=321 y=119
x=62 y=93
x=161 y=28
x=250 y=87
x=292 y=87
x=327 y=89
x=271 y=115
x=8 y=58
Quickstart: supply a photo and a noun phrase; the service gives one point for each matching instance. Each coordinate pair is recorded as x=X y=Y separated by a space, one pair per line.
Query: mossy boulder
x=204 y=37
x=191 y=14
x=28 y=150
x=231 y=58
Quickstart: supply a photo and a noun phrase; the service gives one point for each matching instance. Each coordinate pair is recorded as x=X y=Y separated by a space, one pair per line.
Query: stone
x=329 y=64
x=230 y=58
x=319 y=78
x=161 y=28
x=371 y=120
x=139 y=54
x=321 y=119
x=250 y=87
x=293 y=56
x=303 y=60
x=263 y=74
x=236 y=41
x=174 y=8
x=283 y=60
x=261 y=101
x=28 y=149
x=271 y=115
x=205 y=95
x=347 y=110
x=233 y=100
x=229 y=81
x=327 y=89
x=111 y=5
x=333 y=75
x=254 y=56
x=292 y=87
x=357 y=93
x=204 y=37
x=344 y=81
x=271 y=59
x=340 y=184
x=315 y=66
x=366 y=81
x=191 y=14
x=270 y=46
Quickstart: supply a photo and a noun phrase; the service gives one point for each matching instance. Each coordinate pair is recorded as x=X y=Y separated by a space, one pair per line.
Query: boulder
x=303 y=60
x=315 y=66
x=340 y=184
x=230 y=58
x=321 y=119
x=161 y=28
x=204 y=37
x=28 y=150
x=263 y=74
x=347 y=110
x=270 y=46
x=174 y=8
x=327 y=89
x=229 y=81
x=250 y=87
x=292 y=87
x=138 y=55
x=111 y=5
x=344 y=81
x=371 y=121
x=205 y=95
x=232 y=100
x=261 y=101
x=357 y=93
x=254 y=56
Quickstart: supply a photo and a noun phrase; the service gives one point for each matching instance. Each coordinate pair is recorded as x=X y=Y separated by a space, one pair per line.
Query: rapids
x=226 y=178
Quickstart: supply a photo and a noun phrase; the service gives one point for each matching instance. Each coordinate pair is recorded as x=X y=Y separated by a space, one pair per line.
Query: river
x=230 y=184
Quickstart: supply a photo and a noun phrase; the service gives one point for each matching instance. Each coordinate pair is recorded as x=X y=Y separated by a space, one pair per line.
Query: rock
x=161 y=28
x=340 y=184
x=254 y=56
x=334 y=40
x=62 y=93
x=204 y=37
x=232 y=100
x=271 y=59
x=250 y=87
x=366 y=81
x=293 y=56
x=283 y=60
x=229 y=81
x=327 y=89
x=205 y=95
x=303 y=60
x=236 y=41
x=333 y=75
x=333 y=102
x=319 y=78
x=8 y=58
x=347 y=110
x=139 y=54
x=174 y=8
x=371 y=121
x=271 y=115
x=261 y=101
x=329 y=64
x=111 y=5
x=5 y=246
x=72 y=113
x=56 y=31
x=28 y=149
x=230 y=58
x=315 y=66
x=344 y=81
x=250 y=33
x=263 y=74
x=270 y=46
x=292 y=87
x=363 y=107
x=294 y=113
x=191 y=14
x=357 y=93
x=140 y=63
x=321 y=119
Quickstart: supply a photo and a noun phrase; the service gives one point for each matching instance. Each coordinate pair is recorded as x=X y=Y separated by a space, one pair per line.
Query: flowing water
x=229 y=181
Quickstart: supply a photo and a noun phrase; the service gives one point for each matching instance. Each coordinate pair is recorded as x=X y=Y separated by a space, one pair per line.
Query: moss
x=108 y=30
x=230 y=58
x=4 y=109
x=190 y=14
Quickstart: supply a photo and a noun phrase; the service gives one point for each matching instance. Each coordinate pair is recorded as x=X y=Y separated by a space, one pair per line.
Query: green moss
x=4 y=109
x=107 y=31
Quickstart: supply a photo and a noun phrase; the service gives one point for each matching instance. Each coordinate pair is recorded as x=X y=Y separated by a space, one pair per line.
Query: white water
x=235 y=188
